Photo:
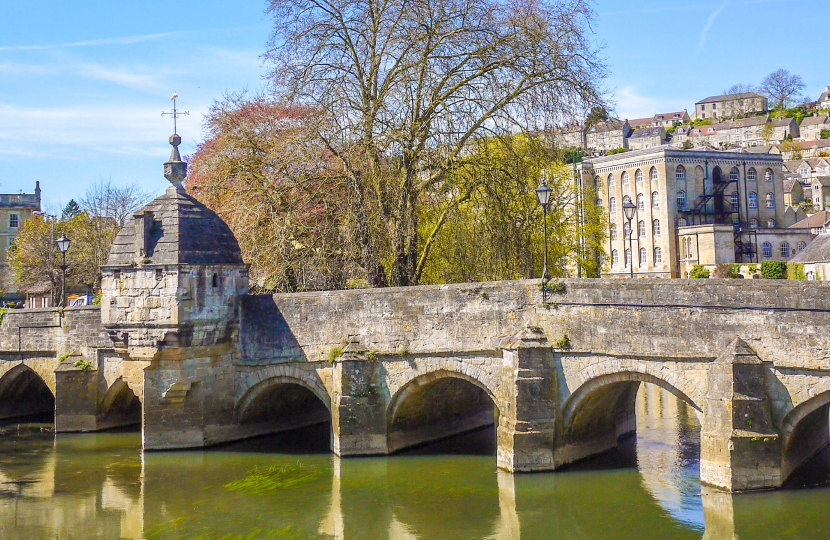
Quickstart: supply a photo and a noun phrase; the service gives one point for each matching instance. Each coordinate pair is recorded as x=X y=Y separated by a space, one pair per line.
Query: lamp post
x=51 y=218
x=63 y=245
x=628 y=209
x=543 y=193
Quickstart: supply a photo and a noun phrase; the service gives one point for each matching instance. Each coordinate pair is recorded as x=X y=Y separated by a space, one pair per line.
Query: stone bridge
x=393 y=368
x=179 y=345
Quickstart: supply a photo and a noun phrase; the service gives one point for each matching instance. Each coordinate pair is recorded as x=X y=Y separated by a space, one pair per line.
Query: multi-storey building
x=646 y=138
x=693 y=207
x=669 y=119
x=812 y=126
x=731 y=105
x=15 y=208
x=824 y=99
x=606 y=136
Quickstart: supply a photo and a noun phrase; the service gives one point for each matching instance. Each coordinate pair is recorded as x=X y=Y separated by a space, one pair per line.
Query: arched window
x=615 y=258
x=734 y=201
x=680 y=173
x=753 y=223
x=733 y=174
x=612 y=231
x=612 y=206
x=612 y=181
x=750 y=174
x=655 y=200
x=770 y=200
x=682 y=248
x=699 y=174
x=599 y=203
x=598 y=182
x=658 y=256
x=753 y=200
x=767 y=249
x=689 y=251
x=681 y=222
x=626 y=230
x=641 y=229
x=771 y=223
x=643 y=257
x=641 y=201
x=802 y=245
x=768 y=175
x=785 y=250
x=639 y=176
x=653 y=174
x=655 y=227
x=625 y=179
x=627 y=257
x=626 y=199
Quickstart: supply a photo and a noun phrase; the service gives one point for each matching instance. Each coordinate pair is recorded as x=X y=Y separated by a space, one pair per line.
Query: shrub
x=699 y=272
x=773 y=269
x=724 y=270
x=334 y=354
x=564 y=342
x=752 y=268
x=795 y=271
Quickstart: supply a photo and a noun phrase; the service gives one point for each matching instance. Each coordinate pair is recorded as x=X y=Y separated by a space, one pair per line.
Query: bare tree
x=411 y=86
x=781 y=86
x=105 y=200
x=740 y=88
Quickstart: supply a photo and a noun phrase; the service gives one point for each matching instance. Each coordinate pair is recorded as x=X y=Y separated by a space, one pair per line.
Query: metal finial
x=175 y=169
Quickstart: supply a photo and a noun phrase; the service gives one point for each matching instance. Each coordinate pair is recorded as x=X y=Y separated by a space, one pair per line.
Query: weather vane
x=175 y=113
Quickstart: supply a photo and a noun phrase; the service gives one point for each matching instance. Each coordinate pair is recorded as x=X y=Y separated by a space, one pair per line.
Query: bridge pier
x=740 y=449
x=358 y=412
x=527 y=423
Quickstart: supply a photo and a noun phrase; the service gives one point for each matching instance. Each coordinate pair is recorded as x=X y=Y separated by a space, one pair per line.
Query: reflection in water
x=100 y=486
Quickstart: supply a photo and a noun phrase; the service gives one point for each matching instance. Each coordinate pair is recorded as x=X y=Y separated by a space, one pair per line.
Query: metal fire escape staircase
x=712 y=207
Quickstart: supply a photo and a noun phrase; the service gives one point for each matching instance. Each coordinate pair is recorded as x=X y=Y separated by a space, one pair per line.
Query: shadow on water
x=311 y=440
x=477 y=442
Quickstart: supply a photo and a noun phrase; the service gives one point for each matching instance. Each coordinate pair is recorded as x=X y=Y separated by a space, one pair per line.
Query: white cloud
x=126 y=40
x=705 y=32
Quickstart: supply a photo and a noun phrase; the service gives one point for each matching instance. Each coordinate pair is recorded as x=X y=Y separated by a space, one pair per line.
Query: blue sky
x=83 y=83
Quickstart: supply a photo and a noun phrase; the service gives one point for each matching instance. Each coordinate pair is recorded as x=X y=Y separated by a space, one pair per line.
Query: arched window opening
x=769 y=176
x=598 y=183
x=641 y=229
x=767 y=249
x=615 y=258
x=771 y=223
x=612 y=206
x=641 y=201
x=655 y=227
x=753 y=200
x=612 y=231
x=681 y=222
x=639 y=176
x=770 y=199
x=643 y=257
x=680 y=173
x=625 y=179
x=734 y=175
x=653 y=174
x=785 y=250
x=734 y=201
x=753 y=223
x=681 y=199
x=655 y=200
x=658 y=256
x=612 y=181
x=750 y=174
x=802 y=245
x=627 y=257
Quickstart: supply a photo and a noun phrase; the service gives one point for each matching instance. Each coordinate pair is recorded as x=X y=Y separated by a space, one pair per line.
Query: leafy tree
x=597 y=115
x=265 y=171
x=687 y=145
x=780 y=87
x=497 y=233
x=71 y=209
x=773 y=269
x=408 y=89
x=767 y=131
x=792 y=146
x=824 y=134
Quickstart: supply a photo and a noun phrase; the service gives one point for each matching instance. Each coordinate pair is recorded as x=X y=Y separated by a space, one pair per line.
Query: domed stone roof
x=175 y=228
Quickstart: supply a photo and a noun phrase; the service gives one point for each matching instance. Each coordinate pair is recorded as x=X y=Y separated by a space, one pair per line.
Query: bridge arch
x=601 y=409
x=253 y=386
x=119 y=406
x=24 y=392
x=438 y=404
x=805 y=430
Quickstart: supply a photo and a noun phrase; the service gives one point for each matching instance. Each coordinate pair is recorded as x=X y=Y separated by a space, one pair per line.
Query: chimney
x=143 y=226
x=37 y=193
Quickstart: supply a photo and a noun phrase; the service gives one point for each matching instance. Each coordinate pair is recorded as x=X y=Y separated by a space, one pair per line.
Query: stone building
x=816 y=258
x=824 y=99
x=732 y=203
x=606 y=136
x=731 y=105
x=15 y=208
x=644 y=138
x=669 y=119
x=812 y=126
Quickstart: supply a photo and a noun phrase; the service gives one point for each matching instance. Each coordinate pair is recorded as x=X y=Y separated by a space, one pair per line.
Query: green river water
x=101 y=486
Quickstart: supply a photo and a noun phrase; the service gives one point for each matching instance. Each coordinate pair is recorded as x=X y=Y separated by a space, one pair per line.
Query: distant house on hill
x=667 y=120
x=824 y=99
x=731 y=105
x=812 y=126
x=649 y=137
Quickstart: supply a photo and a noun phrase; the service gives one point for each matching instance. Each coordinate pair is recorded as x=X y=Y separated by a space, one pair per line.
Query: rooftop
x=730 y=97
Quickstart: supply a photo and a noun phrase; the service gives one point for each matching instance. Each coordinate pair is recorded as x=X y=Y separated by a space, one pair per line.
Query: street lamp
x=543 y=193
x=628 y=209
x=63 y=245
x=51 y=218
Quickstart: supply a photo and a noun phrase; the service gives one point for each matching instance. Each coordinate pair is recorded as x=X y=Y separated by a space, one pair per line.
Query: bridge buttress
x=740 y=448
x=527 y=423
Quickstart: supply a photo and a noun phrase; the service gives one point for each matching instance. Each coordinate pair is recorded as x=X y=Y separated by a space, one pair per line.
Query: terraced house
x=698 y=206
x=727 y=105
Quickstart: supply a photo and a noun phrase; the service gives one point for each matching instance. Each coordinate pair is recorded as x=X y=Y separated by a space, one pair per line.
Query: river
x=100 y=485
